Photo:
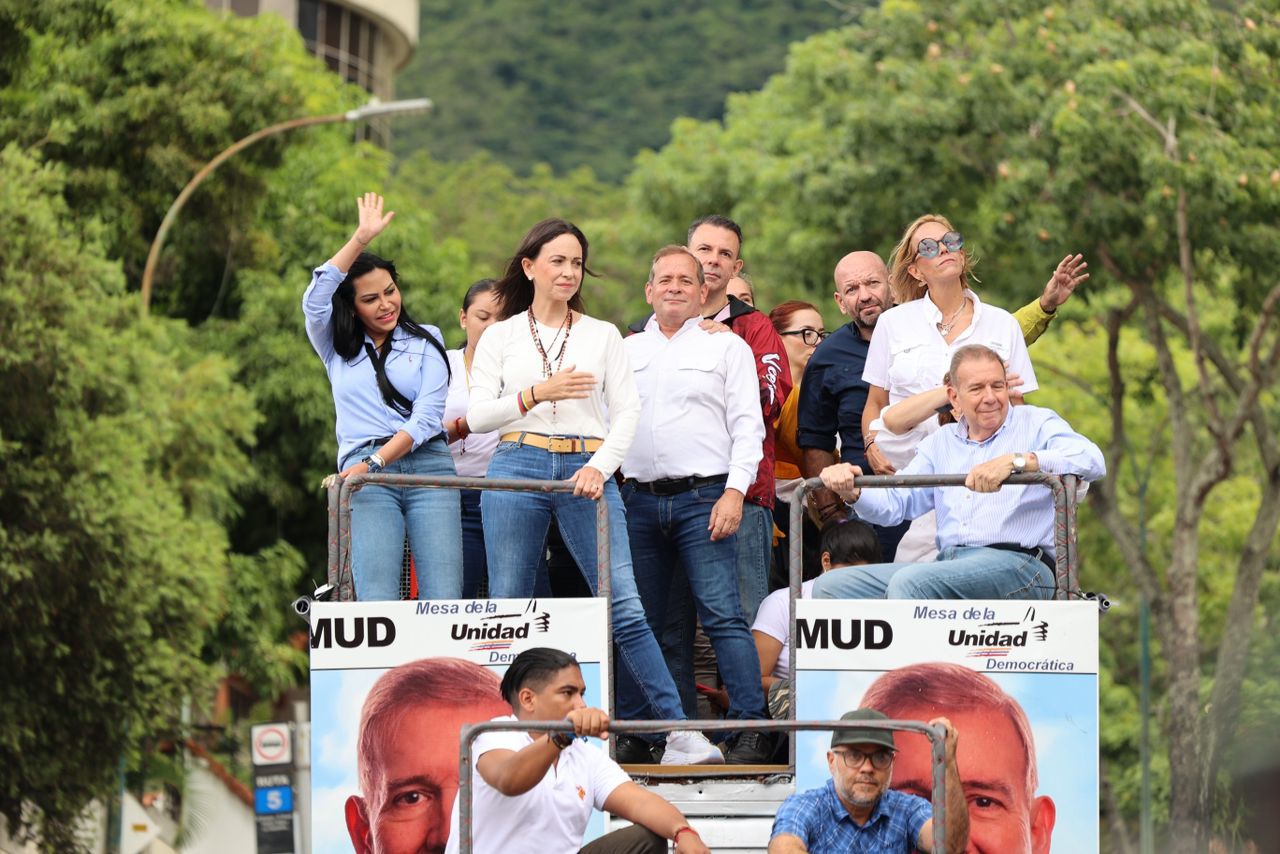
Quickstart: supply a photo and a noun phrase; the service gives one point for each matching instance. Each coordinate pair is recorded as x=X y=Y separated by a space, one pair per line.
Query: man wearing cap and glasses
x=857 y=811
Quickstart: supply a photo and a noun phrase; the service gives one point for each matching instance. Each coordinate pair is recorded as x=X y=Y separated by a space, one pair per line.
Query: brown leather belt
x=554 y=444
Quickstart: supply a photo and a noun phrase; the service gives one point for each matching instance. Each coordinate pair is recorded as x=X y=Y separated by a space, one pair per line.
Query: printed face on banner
x=412 y=779
x=386 y=721
x=1004 y=813
x=1019 y=684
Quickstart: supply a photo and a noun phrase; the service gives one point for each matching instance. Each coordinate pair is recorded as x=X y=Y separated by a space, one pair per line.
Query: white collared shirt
x=908 y=355
x=699 y=406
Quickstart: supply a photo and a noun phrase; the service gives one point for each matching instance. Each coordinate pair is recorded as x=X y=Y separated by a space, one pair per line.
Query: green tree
x=120 y=448
x=1143 y=134
x=588 y=83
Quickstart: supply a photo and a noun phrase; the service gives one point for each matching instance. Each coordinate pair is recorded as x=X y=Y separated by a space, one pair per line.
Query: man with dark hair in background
x=997 y=760
x=407 y=752
x=535 y=791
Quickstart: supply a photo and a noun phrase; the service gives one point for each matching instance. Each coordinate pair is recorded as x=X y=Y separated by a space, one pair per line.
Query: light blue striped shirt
x=1013 y=514
x=413 y=366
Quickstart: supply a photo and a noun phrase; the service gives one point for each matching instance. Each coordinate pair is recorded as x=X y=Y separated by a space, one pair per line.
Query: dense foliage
x=586 y=82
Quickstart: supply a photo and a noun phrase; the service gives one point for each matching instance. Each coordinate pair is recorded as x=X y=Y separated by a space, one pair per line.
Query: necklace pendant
x=944 y=328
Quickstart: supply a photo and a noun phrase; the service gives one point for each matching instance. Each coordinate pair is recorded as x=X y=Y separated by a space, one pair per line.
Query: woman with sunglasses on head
x=937 y=312
x=389 y=377
x=544 y=376
x=801 y=328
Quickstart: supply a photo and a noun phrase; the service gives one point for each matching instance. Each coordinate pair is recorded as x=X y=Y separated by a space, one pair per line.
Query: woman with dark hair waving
x=389 y=377
x=543 y=376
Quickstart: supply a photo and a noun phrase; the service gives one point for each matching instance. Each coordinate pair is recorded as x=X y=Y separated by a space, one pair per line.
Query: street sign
x=275 y=834
x=273 y=801
x=272 y=744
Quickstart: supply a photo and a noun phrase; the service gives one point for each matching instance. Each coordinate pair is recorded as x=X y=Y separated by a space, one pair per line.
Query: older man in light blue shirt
x=994 y=542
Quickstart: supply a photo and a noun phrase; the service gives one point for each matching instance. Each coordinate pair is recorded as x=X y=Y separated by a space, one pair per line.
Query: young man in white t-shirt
x=535 y=792
x=847 y=543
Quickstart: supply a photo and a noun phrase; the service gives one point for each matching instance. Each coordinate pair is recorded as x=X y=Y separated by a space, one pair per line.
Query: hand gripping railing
x=1066 y=581
x=936 y=734
x=341 y=489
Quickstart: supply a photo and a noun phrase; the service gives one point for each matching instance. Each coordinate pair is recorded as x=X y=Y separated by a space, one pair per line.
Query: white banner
x=991 y=636
x=1019 y=680
x=433 y=666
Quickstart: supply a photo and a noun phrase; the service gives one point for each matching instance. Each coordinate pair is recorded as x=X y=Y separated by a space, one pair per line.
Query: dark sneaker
x=753 y=747
x=634 y=751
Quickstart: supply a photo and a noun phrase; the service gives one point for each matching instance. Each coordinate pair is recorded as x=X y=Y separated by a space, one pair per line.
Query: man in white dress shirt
x=990 y=546
x=695 y=453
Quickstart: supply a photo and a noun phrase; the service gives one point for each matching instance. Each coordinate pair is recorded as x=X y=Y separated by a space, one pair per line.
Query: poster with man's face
x=392 y=683
x=1019 y=680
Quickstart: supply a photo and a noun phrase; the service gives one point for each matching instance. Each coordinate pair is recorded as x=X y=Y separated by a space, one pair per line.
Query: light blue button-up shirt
x=413 y=366
x=1022 y=515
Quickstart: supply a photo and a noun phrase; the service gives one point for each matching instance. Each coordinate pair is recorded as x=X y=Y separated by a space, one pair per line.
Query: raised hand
x=1069 y=273
x=372 y=220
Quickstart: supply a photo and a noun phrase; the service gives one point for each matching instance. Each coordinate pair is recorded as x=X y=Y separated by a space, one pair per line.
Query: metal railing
x=342 y=489
x=1066 y=574
x=935 y=734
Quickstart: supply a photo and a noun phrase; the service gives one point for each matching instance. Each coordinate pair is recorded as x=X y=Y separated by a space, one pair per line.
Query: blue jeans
x=751 y=566
x=475 y=566
x=670 y=528
x=959 y=572
x=380 y=516
x=515 y=538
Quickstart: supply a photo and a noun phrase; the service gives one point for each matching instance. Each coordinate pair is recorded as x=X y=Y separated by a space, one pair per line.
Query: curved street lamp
x=368 y=111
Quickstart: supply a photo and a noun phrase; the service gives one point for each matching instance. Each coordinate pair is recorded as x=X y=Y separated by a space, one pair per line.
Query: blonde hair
x=905 y=286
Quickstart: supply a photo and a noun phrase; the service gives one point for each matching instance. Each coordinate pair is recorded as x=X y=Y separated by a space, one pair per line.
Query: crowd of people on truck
x=696 y=429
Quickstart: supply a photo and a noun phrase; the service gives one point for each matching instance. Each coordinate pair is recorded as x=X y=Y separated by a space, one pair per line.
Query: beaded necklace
x=566 y=326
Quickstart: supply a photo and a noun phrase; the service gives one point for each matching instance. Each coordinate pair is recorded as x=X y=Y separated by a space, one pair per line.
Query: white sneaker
x=690 y=747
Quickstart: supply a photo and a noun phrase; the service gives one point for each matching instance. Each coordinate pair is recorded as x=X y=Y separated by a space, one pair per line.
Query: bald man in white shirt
x=695 y=453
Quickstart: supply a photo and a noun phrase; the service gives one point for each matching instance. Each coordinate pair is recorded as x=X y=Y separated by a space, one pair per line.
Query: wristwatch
x=561 y=740
x=374 y=462
x=1019 y=462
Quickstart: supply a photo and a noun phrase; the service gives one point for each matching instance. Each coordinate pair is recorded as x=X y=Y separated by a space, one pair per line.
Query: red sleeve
x=772 y=365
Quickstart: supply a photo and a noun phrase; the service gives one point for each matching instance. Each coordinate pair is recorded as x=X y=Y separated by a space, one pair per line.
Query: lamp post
x=368 y=111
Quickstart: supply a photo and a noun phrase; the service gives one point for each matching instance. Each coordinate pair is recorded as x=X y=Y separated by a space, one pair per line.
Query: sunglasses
x=929 y=248
x=808 y=335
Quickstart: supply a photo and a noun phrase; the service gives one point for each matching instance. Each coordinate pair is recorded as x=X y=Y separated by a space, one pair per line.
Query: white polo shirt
x=699 y=406
x=550 y=818
x=908 y=355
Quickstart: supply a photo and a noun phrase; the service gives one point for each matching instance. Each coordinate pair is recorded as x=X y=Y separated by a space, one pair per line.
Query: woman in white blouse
x=937 y=313
x=544 y=377
x=471 y=451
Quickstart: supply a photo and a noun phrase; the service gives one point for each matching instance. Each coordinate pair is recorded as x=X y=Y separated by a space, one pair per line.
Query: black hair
x=514 y=290
x=532 y=668
x=348 y=332
x=850 y=542
x=719 y=222
x=478 y=287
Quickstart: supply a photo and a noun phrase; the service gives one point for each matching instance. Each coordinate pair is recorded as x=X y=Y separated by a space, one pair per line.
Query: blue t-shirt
x=818 y=818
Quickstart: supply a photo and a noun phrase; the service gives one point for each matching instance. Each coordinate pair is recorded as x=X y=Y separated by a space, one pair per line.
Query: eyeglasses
x=929 y=248
x=853 y=758
x=808 y=335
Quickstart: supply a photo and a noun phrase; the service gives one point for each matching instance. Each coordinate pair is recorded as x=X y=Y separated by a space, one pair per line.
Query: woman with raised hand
x=543 y=376
x=389 y=378
x=937 y=312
